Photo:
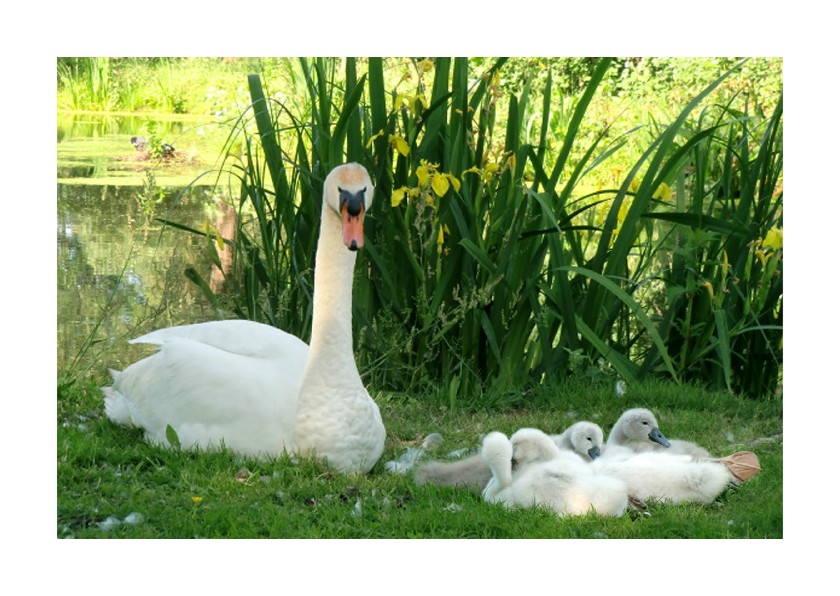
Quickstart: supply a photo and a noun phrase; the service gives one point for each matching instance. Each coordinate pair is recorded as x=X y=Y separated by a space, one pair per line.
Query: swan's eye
x=645 y=423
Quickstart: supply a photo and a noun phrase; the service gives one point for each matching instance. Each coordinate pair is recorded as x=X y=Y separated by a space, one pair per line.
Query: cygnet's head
x=530 y=445
x=639 y=424
x=587 y=438
x=348 y=192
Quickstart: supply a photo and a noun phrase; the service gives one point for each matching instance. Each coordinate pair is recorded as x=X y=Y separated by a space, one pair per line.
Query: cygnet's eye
x=589 y=439
x=643 y=422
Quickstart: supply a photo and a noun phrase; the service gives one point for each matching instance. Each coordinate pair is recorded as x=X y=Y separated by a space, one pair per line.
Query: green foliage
x=488 y=263
x=150 y=194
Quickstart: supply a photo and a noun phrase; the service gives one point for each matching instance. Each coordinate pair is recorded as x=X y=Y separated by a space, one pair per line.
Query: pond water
x=120 y=271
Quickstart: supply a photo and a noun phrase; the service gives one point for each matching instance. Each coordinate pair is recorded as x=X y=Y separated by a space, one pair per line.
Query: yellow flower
x=401 y=99
x=511 y=162
x=398 y=195
x=622 y=211
x=373 y=138
x=486 y=173
x=399 y=143
x=762 y=255
x=426 y=65
x=708 y=286
x=455 y=182
x=663 y=192
x=441 y=230
x=634 y=185
x=496 y=79
x=773 y=239
x=422 y=172
x=440 y=184
x=197 y=499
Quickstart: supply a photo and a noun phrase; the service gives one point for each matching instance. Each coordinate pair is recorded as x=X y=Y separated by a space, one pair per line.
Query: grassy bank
x=111 y=484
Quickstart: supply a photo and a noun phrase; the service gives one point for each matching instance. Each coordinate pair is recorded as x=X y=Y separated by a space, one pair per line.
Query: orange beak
x=353 y=232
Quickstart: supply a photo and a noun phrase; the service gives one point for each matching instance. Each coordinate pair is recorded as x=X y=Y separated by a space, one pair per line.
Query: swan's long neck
x=565 y=440
x=617 y=435
x=332 y=331
x=331 y=374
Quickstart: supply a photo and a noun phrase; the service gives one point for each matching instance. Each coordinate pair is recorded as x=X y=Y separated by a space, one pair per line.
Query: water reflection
x=121 y=272
x=96 y=126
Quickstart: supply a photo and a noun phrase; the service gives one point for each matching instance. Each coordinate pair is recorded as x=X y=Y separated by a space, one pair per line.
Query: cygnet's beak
x=656 y=435
x=595 y=452
x=352 y=216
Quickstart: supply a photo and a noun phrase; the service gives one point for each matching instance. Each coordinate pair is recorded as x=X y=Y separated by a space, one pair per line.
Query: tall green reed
x=485 y=265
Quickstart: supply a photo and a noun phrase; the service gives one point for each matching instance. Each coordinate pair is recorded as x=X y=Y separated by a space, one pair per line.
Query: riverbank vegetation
x=515 y=241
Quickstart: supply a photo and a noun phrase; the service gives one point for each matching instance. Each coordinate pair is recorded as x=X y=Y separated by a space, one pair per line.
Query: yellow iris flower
x=663 y=192
x=773 y=239
x=399 y=144
x=440 y=183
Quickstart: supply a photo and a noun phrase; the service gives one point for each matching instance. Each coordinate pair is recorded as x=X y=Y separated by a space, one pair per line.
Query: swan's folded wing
x=210 y=395
x=235 y=336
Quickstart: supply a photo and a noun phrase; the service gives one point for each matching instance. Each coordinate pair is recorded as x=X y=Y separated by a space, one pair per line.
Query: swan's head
x=530 y=445
x=348 y=192
x=587 y=438
x=639 y=424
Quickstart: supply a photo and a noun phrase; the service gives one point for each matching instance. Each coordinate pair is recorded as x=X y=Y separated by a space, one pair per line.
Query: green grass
x=109 y=471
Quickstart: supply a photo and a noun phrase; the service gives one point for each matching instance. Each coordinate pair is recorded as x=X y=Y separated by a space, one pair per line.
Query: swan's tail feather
x=116 y=407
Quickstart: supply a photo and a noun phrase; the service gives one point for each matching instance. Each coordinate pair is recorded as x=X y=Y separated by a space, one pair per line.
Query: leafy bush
x=486 y=265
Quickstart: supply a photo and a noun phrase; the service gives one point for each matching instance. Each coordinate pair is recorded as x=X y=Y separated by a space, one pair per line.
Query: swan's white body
x=542 y=474
x=258 y=390
x=584 y=439
x=661 y=476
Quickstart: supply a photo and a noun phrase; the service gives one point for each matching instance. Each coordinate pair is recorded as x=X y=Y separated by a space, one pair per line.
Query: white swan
x=256 y=389
x=653 y=467
x=638 y=431
x=529 y=469
x=582 y=438
x=666 y=477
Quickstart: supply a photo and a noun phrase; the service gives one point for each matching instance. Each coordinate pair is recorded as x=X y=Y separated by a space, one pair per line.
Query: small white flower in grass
x=357 y=509
x=453 y=508
x=620 y=388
